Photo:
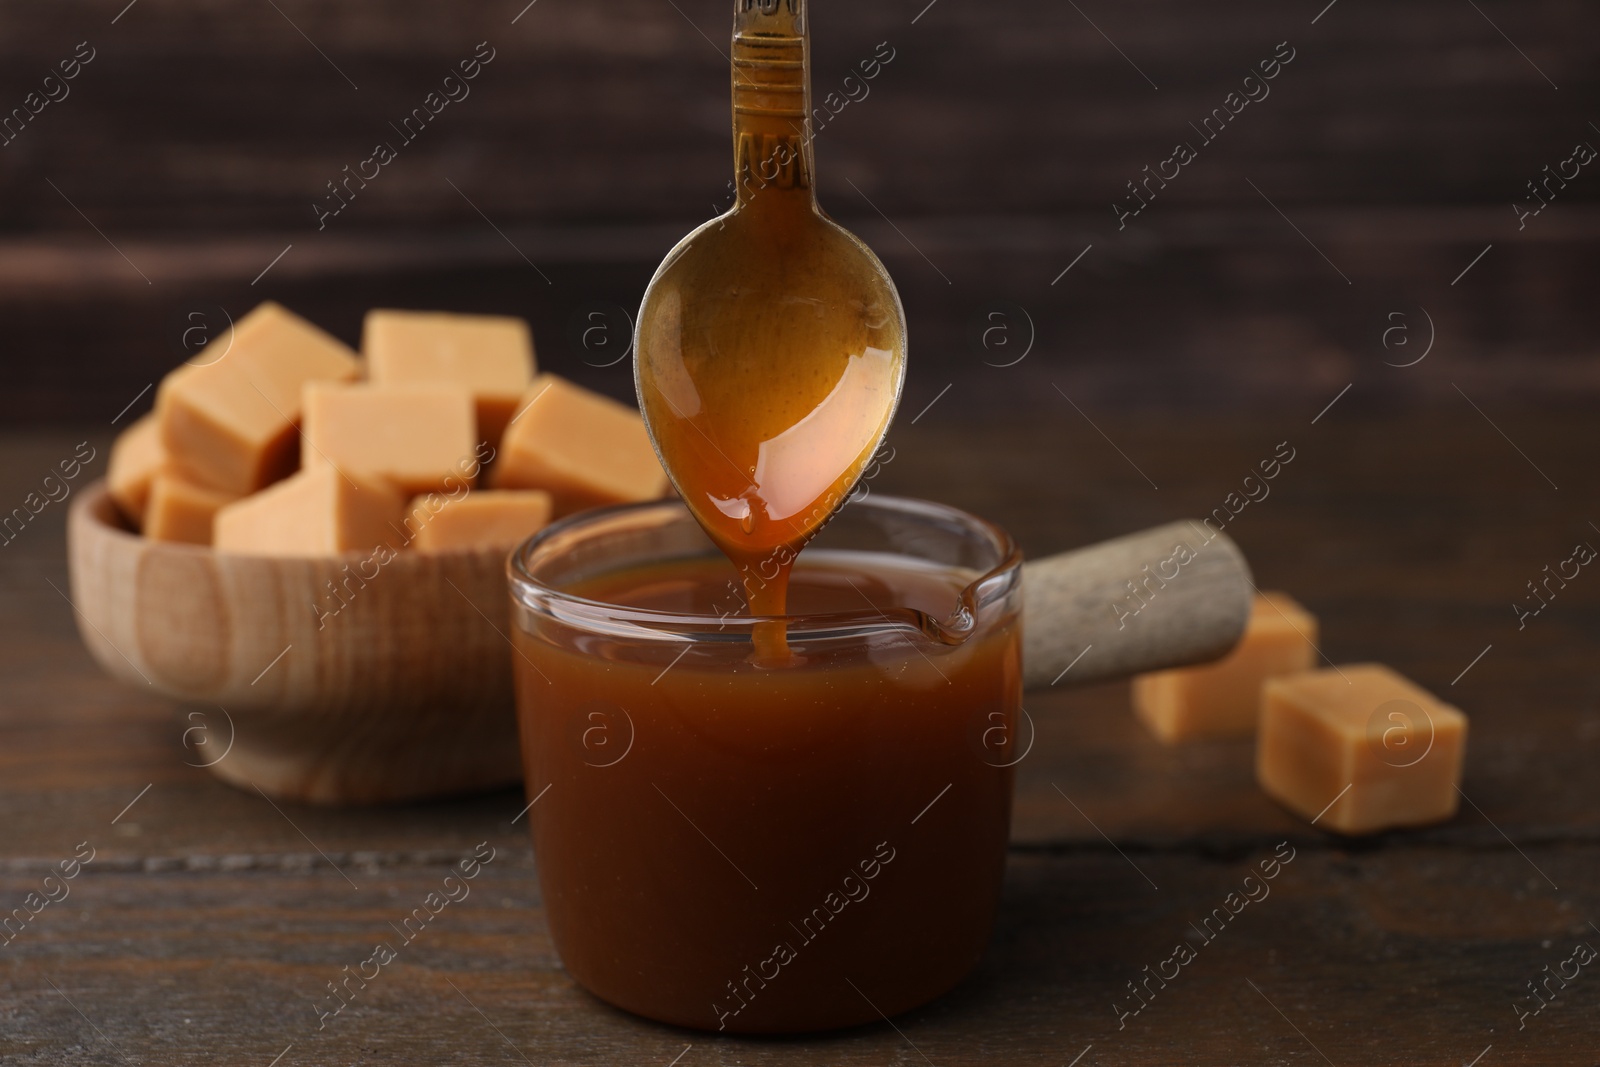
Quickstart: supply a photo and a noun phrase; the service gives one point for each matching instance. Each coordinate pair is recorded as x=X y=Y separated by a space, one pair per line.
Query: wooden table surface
x=210 y=920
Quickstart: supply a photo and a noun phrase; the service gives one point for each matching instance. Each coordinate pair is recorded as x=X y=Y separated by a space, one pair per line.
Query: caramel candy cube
x=490 y=519
x=230 y=422
x=584 y=449
x=1223 y=699
x=318 y=512
x=419 y=437
x=136 y=456
x=1372 y=748
x=491 y=356
x=180 y=510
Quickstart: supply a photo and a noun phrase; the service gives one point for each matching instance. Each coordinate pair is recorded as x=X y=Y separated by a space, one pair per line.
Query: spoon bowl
x=769 y=367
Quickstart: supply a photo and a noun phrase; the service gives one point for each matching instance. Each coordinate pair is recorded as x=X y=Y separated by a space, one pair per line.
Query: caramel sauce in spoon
x=771 y=342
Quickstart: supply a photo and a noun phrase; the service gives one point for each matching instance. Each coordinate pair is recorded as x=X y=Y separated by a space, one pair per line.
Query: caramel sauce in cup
x=727 y=846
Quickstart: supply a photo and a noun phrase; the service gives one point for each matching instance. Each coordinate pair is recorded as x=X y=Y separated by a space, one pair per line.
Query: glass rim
x=530 y=592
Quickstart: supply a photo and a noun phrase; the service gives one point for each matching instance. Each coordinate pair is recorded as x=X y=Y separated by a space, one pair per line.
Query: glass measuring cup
x=728 y=846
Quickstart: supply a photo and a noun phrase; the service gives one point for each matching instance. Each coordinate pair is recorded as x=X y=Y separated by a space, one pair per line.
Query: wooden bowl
x=341 y=685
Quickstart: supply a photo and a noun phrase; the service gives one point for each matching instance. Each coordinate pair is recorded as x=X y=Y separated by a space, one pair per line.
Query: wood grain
x=341 y=680
x=227 y=118
x=1363 y=955
x=994 y=145
x=209 y=921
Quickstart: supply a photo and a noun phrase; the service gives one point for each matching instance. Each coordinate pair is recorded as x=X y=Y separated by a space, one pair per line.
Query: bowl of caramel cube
x=313 y=540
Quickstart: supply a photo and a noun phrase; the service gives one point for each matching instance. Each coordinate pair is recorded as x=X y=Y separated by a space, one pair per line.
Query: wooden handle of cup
x=1166 y=597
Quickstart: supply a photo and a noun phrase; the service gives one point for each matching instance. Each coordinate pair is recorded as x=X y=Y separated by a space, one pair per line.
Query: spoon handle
x=771 y=66
x=1165 y=597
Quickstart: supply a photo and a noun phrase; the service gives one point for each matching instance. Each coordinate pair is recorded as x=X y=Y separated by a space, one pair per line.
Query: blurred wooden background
x=984 y=160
